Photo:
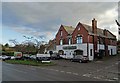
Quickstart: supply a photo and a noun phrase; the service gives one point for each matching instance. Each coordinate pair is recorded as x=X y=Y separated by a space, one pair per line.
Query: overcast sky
x=44 y=19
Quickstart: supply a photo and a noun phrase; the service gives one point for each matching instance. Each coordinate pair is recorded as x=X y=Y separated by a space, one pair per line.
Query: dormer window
x=78 y=28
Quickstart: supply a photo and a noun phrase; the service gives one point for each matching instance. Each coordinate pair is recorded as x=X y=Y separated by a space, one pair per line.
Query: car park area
x=100 y=70
x=105 y=69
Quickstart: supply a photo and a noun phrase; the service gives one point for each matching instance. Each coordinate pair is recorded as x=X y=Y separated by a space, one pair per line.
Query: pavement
x=100 y=70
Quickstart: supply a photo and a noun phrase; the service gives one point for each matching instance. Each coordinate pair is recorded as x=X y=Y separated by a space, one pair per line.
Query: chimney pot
x=94 y=26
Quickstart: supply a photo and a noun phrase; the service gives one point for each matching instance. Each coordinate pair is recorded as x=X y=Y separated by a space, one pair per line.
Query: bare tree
x=14 y=41
x=17 y=45
x=38 y=42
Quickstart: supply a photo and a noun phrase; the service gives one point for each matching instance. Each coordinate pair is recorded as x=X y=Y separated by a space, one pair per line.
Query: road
x=64 y=71
x=30 y=73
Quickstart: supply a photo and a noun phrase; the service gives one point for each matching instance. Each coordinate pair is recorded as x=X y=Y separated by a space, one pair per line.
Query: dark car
x=79 y=58
x=43 y=58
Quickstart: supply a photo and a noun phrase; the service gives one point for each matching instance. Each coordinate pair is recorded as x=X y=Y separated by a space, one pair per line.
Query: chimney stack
x=105 y=32
x=94 y=26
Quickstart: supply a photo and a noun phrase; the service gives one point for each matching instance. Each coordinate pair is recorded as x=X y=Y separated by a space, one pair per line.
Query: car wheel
x=80 y=61
x=71 y=60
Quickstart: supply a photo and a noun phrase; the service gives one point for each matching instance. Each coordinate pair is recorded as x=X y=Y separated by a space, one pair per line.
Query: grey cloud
x=47 y=17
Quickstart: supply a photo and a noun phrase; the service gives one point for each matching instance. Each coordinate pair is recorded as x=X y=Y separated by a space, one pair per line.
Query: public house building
x=85 y=40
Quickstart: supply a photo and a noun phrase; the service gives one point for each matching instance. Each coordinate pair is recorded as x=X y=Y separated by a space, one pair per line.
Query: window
x=79 y=39
x=61 y=42
x=69 y=41
x=102 y=41
x=60 y=33
x=78 y=28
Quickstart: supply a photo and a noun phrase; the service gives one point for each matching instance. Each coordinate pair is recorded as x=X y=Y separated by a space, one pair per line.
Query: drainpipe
x=88 y=47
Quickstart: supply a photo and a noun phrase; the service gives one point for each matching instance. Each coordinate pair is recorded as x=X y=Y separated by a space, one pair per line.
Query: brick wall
x=83 y=32
x=63 y=37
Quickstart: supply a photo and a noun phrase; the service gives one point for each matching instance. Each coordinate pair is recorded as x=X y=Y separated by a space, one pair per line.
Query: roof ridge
x=68 y=26
x=91 y=26
x=99 y=30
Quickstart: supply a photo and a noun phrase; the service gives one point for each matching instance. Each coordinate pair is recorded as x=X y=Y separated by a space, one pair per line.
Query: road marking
x=62 y=71
x=69 y=72
x=56 y=70
x=75 y=73
x=97 y=77
x=87 y=75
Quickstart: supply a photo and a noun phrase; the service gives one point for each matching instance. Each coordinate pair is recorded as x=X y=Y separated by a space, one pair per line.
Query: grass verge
x=30 y=62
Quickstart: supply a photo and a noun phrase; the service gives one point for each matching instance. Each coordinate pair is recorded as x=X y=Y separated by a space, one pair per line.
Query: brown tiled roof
x=99 y=31
x=69 y=29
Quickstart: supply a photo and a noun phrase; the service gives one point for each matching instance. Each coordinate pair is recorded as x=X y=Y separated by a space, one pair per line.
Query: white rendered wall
x=114 y=49
x=91 y=57
x=79 y=46
x=69 y=53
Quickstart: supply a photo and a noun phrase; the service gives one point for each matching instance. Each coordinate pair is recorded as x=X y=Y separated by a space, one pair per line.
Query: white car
x=33 y=57
x=12 y=57
x=63 y=56
x=1 y=57
x=4 y=57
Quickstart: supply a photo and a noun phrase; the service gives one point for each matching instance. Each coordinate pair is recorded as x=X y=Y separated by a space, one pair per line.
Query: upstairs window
x=69 y=41
x=78 y=28
x=79 y=40
x=61 y=33
x=61 y=42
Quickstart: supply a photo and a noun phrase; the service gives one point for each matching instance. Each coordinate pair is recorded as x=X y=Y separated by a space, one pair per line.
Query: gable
x=69 y=29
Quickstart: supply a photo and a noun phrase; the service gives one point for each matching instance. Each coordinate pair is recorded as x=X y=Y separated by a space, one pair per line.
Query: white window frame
x=61 y=42
x=61 y=33
x=69 y=41
x=79 y=39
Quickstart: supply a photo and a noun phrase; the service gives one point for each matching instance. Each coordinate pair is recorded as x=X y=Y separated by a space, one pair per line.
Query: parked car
x=33 y=57
x=43 y=57
x=18 y=55
x=79 y=58
x=12 y=57
x=0 y=57
x=26 y=56
x=4 y=57
x=63 y=56
x=55 y=56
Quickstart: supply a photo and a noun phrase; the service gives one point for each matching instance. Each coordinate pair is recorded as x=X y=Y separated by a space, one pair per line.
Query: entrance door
x=61 y=52
x=78 y=52
x=69 y=54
